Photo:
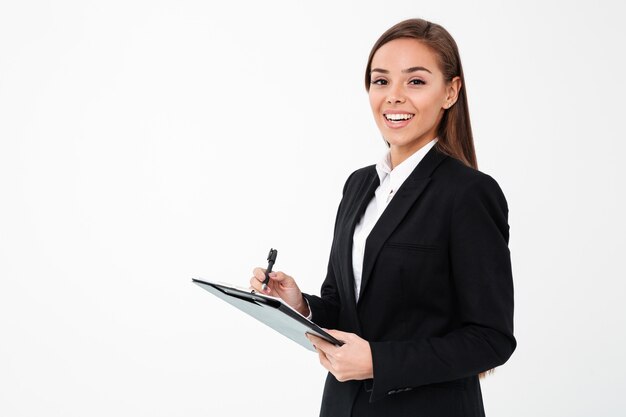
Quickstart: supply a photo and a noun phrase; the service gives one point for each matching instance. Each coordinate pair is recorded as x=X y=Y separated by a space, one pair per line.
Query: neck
x=399 y=154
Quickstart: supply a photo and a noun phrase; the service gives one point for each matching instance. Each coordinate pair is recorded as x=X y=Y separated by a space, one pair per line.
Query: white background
x=143 y=143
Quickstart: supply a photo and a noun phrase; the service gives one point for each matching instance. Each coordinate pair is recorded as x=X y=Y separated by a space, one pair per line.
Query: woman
x=419 y=283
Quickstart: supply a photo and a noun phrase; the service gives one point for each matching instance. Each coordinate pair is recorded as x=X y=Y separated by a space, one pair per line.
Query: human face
x=408 y=95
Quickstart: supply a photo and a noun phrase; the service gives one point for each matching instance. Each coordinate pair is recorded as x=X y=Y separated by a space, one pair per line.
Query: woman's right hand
x=281 y=285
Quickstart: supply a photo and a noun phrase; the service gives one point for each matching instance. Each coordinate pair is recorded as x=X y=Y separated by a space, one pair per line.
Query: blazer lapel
x=355 y=212
x=397 y=209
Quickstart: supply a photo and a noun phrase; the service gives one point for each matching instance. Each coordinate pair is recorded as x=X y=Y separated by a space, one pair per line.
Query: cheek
x=428 y=105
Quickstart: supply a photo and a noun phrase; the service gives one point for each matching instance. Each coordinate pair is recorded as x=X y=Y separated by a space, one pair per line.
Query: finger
x=322 y=344
x=281 y=277
x=255 y=284
x=259 y=274
x=325 y=361
x=339 y=335
x=314 y=339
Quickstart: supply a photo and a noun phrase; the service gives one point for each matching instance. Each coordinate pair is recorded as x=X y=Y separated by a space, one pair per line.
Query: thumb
x=281 y=277
x=338 y=334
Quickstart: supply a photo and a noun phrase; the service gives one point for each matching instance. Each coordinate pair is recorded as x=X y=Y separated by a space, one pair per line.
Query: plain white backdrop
x=143 y=143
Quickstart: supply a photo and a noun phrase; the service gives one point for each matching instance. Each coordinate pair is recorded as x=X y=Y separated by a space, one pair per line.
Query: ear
x=452 y=92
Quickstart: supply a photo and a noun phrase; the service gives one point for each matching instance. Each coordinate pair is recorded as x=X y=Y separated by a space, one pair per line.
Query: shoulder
x=467 y=186
x=454 y=171
x=359 y=177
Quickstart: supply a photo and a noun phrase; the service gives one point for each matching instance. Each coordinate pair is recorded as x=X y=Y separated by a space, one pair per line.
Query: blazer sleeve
x=325 y=309
x=480 y=265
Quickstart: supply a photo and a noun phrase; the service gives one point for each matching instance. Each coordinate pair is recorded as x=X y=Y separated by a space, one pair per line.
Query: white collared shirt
x=390 y=182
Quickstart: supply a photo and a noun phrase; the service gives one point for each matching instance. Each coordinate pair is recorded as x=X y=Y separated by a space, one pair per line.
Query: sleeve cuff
x=310 y=316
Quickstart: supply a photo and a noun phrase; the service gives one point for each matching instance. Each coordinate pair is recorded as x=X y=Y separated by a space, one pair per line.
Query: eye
x=417 y=82
x=379 y=81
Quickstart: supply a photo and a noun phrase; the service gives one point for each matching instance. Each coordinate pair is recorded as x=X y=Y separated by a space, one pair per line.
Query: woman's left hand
x=353 y=360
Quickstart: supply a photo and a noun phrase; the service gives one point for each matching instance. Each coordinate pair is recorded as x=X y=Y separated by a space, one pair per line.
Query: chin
x=400 y=142
x=403 y=141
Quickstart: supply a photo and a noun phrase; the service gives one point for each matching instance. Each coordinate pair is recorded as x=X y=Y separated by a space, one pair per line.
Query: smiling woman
x=419 y=283
x=436 y=84
x=409 y=101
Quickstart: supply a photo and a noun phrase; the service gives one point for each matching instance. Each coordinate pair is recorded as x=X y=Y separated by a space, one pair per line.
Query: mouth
x=397 y=120
x=398 y=117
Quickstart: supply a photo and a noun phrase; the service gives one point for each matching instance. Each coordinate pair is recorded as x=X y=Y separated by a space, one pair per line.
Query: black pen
x=271 y=258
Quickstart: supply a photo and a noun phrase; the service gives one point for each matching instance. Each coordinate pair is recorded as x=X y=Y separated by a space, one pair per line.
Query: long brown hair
x=454 y=132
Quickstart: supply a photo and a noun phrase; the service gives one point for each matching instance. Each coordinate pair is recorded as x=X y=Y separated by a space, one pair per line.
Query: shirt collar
x=400 y=173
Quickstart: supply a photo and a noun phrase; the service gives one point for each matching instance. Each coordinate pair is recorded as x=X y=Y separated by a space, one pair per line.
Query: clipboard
x=271 y=311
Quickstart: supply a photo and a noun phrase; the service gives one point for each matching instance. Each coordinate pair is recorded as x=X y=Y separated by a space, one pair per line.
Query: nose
x=395 y=96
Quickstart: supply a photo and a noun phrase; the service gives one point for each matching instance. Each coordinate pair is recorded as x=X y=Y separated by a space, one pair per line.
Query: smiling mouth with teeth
x=398 y=117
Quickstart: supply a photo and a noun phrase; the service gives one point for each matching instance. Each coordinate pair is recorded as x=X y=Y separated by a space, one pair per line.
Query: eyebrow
x=406 y=71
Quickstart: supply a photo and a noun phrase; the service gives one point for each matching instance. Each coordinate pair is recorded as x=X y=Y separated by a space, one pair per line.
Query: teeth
x=397 y=117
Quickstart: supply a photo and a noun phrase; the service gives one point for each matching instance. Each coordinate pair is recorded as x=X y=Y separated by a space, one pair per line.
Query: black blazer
x=436 y=297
